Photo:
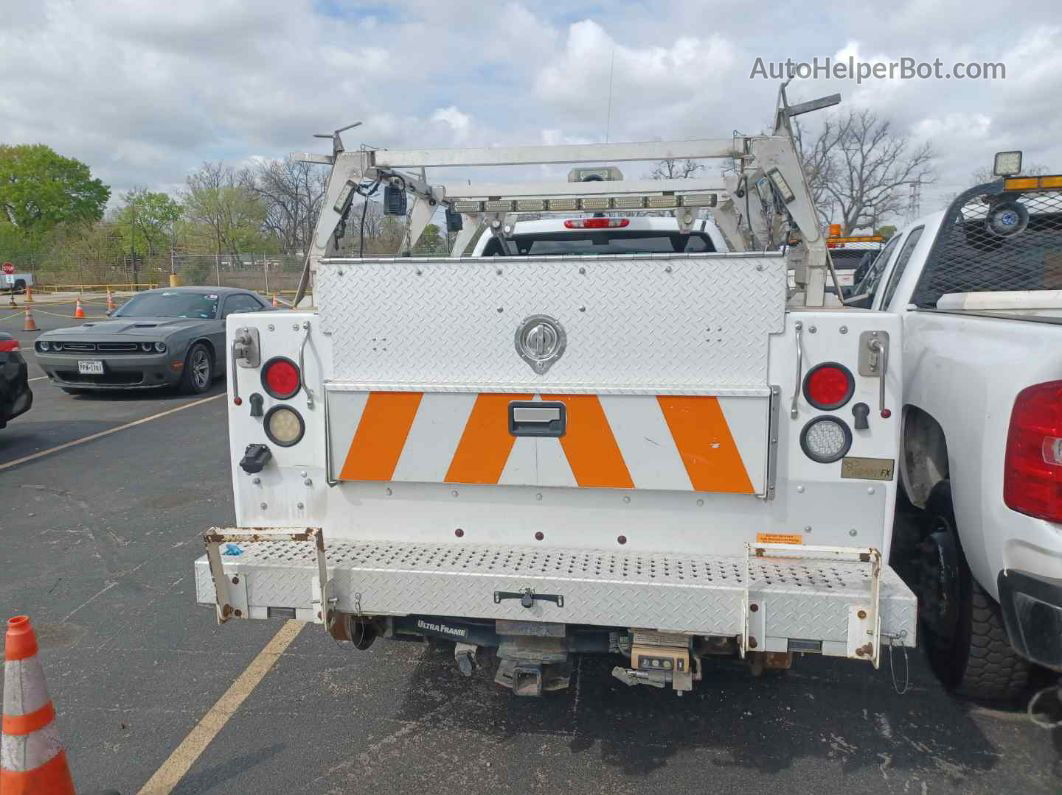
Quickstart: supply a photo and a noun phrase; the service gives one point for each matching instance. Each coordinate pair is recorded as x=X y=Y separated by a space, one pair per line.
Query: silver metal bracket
x=870 y=353
x=231 y=588
x=864 y=620
x=246 y=347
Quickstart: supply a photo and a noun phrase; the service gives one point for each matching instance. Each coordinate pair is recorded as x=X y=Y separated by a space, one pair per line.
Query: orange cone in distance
x=78 y=311
x=110 y=301
x=29 y=294
x=30 y=324
x=33 y=760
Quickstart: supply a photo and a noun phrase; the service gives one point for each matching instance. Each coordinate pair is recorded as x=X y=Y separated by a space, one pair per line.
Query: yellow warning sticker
x=779 y=538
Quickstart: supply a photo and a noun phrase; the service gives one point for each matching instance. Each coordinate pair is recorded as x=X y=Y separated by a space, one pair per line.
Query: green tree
x=147 y=221
x=886 y=231
x=40 y=189
x=431 y=241
x=224 y=207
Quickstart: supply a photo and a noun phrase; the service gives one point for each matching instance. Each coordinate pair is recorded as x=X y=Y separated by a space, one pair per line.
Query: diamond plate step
x=800 y=598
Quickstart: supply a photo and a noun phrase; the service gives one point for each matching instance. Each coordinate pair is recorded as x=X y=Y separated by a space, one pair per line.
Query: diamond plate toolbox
x=695 y=324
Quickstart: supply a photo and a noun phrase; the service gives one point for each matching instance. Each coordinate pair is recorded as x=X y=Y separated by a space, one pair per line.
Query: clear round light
x=57 y=346
x=145 y=347
x=160 y=347
x=284 y=426
x=43 y=345
x=826 y=440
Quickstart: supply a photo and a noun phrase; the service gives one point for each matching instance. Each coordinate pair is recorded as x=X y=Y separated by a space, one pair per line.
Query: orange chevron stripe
x=486 y=442
x=703 y=439
x=381 y=435
x=590 y=446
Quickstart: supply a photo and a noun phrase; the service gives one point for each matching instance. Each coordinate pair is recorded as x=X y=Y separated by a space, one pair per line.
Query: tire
x=198 y=373
x=966 y=640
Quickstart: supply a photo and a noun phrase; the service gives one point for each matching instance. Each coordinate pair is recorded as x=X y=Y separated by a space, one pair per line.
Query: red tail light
x=829 y=386
x=1032 y=472
x=597 y=223
x=7 y=346
x=281 y=377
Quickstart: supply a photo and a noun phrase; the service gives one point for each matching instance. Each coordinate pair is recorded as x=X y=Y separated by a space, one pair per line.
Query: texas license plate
x=90 y=367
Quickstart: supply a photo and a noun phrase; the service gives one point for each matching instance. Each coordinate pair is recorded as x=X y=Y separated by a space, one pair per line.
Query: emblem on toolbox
x=540 y=341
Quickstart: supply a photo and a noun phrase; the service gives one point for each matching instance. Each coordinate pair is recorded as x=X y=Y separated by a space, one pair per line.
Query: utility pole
x=914 y=199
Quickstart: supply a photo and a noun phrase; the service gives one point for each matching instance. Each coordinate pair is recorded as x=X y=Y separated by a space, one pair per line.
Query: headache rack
x=763 y=203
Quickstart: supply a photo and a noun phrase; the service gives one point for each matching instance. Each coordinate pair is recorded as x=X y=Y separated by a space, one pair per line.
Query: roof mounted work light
x=1007 y=164
x=394 y=200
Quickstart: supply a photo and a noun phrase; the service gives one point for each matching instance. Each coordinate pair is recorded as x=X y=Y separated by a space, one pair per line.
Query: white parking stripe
x=108 y=432
x=38 y=378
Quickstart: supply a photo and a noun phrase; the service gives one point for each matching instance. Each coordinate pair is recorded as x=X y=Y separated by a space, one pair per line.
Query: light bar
x=628 y=202
x=856 y=239
x=698 y=200
x=1033 y=183
x=468 y=207
x=661 y=202
x=563 y=204
x=597 y=223
x=595 y=203
x=498 y=205
x=530 y=205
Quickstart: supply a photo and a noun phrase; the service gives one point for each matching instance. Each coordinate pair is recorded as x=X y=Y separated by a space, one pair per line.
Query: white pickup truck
x=979 y=289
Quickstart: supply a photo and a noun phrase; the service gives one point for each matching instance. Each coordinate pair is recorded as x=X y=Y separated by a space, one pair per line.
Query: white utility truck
x=979 y=289
x=607 y=432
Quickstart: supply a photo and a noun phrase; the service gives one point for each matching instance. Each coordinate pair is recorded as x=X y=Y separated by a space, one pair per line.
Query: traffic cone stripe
x=31 y=721
x=29 y=751
x=30 y=324
x=52 y=776
x=27 y=692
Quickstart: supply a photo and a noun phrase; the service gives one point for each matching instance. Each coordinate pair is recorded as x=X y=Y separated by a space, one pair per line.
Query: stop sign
x=9 y=267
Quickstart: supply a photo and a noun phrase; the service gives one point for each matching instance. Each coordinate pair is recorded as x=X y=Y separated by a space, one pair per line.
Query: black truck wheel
x=962 y=626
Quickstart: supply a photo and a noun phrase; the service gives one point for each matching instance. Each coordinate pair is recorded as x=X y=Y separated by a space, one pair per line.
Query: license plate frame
x=90 y=366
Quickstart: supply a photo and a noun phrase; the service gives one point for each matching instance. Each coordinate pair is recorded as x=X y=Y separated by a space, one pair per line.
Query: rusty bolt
x=226 y=611
x=862 y=614
x=238 y=612
x=235 y=580
x=753 y=608
x=752 y=643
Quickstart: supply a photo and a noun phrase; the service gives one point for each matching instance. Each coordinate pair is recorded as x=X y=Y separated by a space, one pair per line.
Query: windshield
x=203 y=306
x=604 y=242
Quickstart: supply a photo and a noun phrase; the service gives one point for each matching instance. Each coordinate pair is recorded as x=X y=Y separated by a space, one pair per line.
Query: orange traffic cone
x=78 y=311
x=29 y=295
x=276 y=303
x=110 y=301
x=33 y=759
x=30 y=324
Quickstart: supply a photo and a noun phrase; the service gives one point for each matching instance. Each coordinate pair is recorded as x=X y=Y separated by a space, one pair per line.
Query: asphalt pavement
x=97 y=542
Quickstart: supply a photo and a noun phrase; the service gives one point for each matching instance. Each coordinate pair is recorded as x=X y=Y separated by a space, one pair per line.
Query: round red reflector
x=280 y=377
x=828 y=386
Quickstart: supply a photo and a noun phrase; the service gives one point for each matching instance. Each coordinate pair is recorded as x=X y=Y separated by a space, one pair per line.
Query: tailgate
x=645 y=372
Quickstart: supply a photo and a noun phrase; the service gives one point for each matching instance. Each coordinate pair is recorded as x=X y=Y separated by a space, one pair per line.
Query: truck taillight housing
x=828 y=386
x=281 y=377
x=1032 y=471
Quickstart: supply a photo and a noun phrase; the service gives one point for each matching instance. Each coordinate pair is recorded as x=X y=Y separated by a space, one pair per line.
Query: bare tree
x=670 y=168
x=292 y=192
x=858 y=167
x=220 y=200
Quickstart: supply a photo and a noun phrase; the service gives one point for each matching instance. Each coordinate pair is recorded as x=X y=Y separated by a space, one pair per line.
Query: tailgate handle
x=527 y=418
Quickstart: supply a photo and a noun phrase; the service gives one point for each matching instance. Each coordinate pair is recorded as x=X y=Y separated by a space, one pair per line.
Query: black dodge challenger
x=167 y=337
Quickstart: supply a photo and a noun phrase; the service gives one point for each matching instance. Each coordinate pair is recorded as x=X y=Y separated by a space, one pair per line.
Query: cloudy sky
x=145 y=91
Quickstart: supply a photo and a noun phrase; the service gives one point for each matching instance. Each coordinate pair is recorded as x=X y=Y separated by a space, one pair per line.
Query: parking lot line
x=193 y=745
x=38 y=378
x=108 y=432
